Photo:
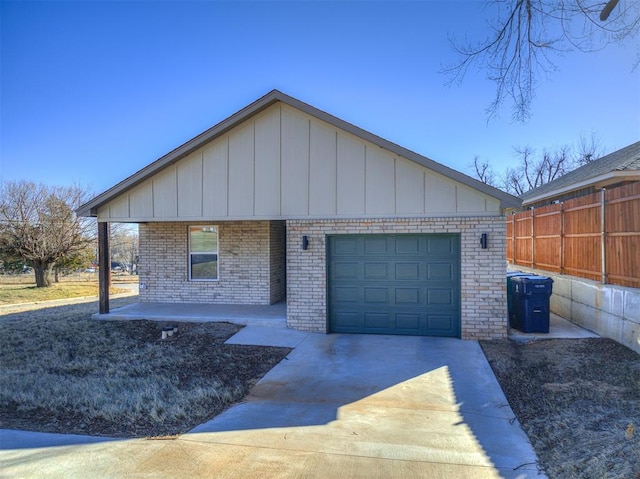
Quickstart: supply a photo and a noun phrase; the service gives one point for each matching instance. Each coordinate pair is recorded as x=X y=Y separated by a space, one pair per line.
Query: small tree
x=77 y=260
x=39 y=225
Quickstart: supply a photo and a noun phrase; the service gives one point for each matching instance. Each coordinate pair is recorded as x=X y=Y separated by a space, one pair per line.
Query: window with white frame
x=203 y=253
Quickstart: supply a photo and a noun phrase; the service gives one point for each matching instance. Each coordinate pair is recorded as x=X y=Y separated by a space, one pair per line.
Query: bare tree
x=534 y=170
x=588 y=149
x=528 y=33
x=39 y=225
x=483 y=171
x=551 y=165
x=124 y=245
x=513 y=181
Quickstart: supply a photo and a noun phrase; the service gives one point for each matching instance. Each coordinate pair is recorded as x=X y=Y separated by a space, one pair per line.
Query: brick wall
x=245 y=261
x=483 y=296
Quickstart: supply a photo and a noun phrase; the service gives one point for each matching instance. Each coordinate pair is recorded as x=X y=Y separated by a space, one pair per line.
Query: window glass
x=203 y=252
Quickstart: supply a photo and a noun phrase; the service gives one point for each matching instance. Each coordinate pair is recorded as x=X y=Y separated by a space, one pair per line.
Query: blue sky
x=92 y=91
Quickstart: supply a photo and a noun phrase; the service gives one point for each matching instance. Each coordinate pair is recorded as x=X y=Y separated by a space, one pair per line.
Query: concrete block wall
x=245 y=273
x=609 y=310
x=483 y=296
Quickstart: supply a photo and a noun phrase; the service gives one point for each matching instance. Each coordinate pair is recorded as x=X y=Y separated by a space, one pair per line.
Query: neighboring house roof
x=91 y=207
x=621 y=165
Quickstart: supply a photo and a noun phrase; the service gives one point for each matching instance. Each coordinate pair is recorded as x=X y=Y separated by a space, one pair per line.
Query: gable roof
x=611 y=168
x=91 y=207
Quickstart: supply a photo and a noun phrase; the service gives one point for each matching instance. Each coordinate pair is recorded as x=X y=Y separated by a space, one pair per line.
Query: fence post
x=513 y=235
x=533 y=239
x=603 y=236
x=562 y=246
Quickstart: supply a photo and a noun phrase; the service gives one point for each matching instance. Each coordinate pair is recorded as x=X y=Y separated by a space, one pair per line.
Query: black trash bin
x=531 y=303
x=511 y=313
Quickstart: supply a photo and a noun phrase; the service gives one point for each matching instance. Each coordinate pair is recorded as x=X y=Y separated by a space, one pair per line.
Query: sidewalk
x=20 y=307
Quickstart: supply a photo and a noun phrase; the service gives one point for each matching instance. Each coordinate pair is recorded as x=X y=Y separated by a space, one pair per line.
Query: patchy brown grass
x=21 y=293
x=578 y=400
x=21 y=288
x=64 y=372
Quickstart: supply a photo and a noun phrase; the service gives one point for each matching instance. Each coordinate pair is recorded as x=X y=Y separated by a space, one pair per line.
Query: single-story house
x=282 y=201
x=615 y=169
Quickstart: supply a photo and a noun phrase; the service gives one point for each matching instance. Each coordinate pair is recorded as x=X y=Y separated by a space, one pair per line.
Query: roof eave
x=598 y=182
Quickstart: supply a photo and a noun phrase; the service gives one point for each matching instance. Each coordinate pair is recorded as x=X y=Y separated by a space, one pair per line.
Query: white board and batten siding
x=285 y=164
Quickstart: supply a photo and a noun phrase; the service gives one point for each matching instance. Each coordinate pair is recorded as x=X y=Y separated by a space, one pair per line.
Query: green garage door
x=394 y=284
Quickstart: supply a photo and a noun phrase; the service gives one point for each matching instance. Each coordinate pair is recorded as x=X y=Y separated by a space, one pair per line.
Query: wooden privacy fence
x=595 y=236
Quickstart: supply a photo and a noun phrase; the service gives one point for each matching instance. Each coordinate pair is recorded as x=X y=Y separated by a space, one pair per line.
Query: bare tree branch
x=588 y=149
x=529 y=33
x=483 y=171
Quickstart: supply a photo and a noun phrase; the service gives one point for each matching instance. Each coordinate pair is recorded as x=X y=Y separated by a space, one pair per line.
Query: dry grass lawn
x=578 y=400
x=64 y=372
x=21 y=288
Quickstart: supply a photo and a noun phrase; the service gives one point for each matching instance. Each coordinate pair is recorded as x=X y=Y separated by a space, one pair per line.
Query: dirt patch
x=578 y=400
x=64 y=372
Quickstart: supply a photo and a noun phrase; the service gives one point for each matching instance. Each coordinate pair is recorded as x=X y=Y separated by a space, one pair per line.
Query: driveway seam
x=362 y=456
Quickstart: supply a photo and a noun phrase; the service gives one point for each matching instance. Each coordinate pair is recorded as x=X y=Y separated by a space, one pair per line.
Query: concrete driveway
x=349 y=406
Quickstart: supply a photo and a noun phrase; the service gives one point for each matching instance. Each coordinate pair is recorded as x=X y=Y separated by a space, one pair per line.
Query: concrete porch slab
x=274 y=315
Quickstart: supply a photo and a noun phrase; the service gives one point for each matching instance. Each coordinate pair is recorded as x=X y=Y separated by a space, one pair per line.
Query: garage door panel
x=344 y=246
x=408 y=296
x=407 y=271
x=377 y=321
x=350 y=321
x=408 y=322
x=394 y=295
x=440 y=271
x=346 y=295
x=440 y=297
x=407 y=245
x=394 y=284
x=440 y=245
x=376 y=245
x=346 y=270
x=376 y=296
x=440 y=323
x=376 y=271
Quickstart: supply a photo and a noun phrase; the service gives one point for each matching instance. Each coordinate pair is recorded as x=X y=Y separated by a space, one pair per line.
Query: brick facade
x=483 y=290
x=252 y=258
x=251 y=261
